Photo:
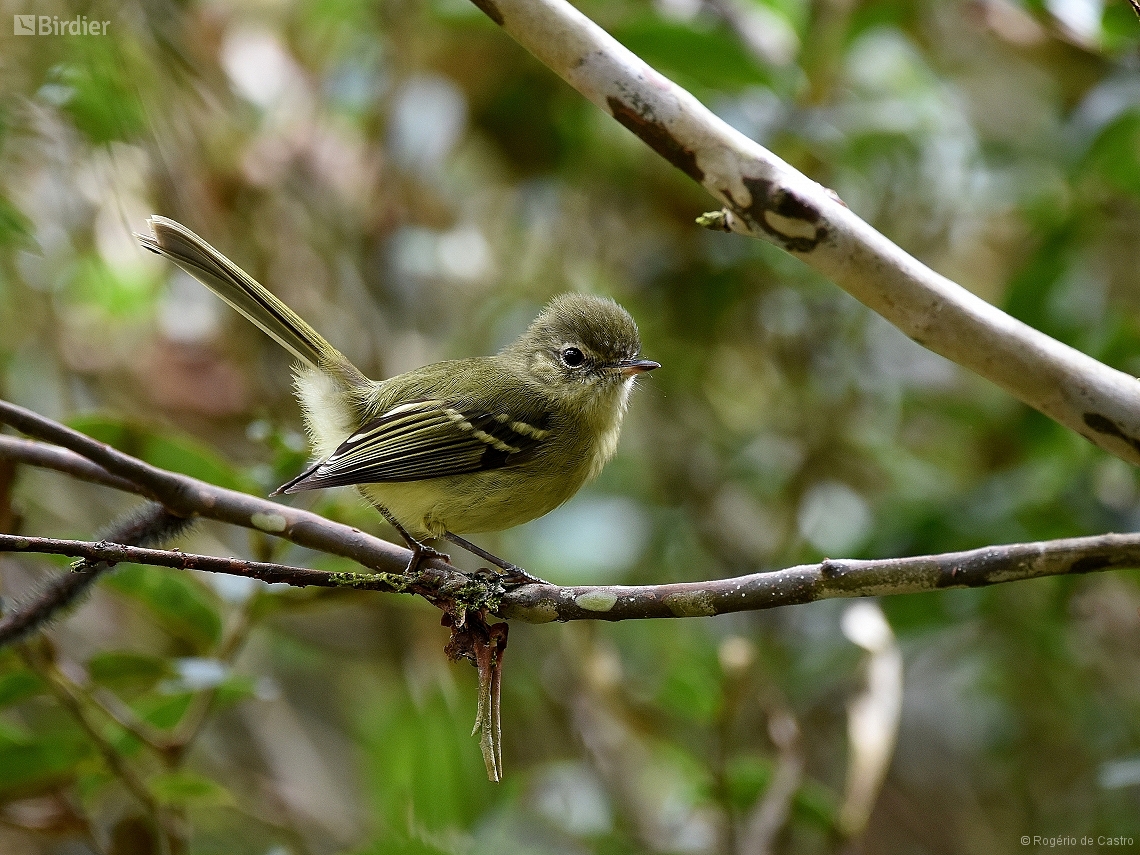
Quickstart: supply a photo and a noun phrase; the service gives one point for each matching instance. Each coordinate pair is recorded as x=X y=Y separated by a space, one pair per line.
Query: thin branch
x=766 y=198
x=203 y=701
x=86 y=458
x=188 y=496
x=72 y=701
x=112 y=706
x=540 y=603
x=58 y=595
x=61 y=460
x=151 y=525
x=115 y=553
x=771 y=812
x=990 y=565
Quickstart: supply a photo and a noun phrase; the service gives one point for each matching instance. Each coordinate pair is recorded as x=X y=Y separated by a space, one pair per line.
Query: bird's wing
x=427 y=439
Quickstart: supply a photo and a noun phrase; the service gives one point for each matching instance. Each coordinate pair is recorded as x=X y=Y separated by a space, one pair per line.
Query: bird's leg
x=515 y=574
x=420 y=551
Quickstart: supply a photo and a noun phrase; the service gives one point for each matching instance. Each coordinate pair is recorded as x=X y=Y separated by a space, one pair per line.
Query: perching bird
x=456 y=447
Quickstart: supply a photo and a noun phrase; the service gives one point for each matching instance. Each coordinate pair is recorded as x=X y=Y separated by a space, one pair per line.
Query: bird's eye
x=572 y=357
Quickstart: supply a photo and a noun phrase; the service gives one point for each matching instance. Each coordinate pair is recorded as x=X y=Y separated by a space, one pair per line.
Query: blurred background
x=417 y=186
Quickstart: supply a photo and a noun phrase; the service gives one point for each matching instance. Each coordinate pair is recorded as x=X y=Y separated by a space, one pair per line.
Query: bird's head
x=582 y=347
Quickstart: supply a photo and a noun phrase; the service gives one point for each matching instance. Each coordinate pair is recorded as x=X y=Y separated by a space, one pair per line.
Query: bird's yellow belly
x=467 y=504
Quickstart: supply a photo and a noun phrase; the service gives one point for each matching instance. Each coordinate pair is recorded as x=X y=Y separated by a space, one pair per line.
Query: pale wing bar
x=420 y=440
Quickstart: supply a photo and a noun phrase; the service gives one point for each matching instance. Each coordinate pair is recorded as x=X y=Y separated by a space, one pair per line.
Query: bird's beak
x=633 y=367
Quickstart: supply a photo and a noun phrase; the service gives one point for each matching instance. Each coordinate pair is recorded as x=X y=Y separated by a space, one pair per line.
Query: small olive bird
x=461 y=446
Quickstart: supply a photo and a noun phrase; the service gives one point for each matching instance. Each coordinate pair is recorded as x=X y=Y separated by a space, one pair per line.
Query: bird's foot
x=421 y=552
x=512 y=575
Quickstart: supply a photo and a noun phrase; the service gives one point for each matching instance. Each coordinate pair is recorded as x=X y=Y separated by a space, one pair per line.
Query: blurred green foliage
x=416 y=186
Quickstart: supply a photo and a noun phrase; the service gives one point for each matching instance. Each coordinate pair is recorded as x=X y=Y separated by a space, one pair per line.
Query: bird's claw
x=421 y=552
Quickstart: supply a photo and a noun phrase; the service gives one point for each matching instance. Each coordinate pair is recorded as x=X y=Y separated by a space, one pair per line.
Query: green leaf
x=746 y=777
x=40 y=764
x=712 y=58
x=164 y=711
x=236 y=688
x=112 y=430
x=182 y=606
x=119 y=667
x=395 y=843
x=15 y=228
x=423 y=760
x=190 y=457
x=1114 y=154
x=99 y=85
x=187 y=788
x=818 y=804
x=120 y=295
x=175 y=452
x=17 y=685
x=691 y=691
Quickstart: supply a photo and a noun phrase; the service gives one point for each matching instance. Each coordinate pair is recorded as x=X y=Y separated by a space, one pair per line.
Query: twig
x=768 y=199
x=59 y=594
x=115 y=553
x=770 y=813
x=72 y=701
x=188 y=496
x=151 y=525
x=873 y=716
x=991 y=565
x=108 y=703
x=194 y=719
x=536 y=603
x=61 y=460
x=435 y=580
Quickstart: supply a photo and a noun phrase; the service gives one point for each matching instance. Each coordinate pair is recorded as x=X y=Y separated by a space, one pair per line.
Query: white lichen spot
x=269 y=522
x=596 y=601
x=544 y=611
x=693 y=604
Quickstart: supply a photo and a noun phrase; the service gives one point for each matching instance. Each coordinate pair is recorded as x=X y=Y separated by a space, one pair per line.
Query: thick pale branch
x=766 y=198
x=991 y=565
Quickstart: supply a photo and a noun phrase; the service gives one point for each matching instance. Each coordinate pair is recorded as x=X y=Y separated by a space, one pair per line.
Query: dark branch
x=990 y=565
x=115 y=553
x=61 y=460
x=86 y=458
x=186 y=496
x=150 y=525
x=539 y=603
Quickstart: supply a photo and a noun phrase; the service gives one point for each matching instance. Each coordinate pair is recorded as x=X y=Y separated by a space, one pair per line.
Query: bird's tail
x=248 y=296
